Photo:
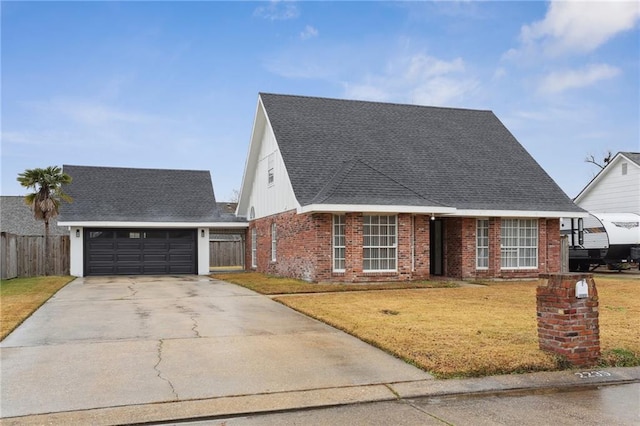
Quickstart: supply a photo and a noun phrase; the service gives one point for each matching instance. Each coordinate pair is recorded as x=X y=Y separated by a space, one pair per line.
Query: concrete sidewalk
x=236 y=406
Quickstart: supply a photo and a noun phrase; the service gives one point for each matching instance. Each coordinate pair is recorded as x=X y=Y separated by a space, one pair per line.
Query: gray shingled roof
x=356 y=152
x=140 y=195
x=633 y=156
x=227 y=211
x=17 y=218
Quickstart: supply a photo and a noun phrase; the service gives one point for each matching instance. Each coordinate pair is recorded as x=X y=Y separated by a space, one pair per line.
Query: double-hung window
x=339 y=245
x=482 y=244
x=379 y=243
x=519 y=249
x=254 y=248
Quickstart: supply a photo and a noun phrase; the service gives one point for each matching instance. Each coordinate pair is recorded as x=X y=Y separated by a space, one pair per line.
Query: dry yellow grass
x=619 y=315
x=266 y=284
x=468 y=331
x=20 y=297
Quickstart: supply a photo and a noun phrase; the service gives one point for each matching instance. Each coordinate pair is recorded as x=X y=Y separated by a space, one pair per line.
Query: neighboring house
x=616 y=189
x=141 y=221
x=17 y=218
x=352 y=191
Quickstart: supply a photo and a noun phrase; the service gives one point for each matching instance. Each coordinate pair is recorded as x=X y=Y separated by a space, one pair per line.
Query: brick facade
x=304 y=248
x=567 y=325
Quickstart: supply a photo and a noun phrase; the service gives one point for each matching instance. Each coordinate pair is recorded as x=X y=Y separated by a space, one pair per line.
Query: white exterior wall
x=614 y=192
x=76 y=248
x=203 y=251
x=275 y=198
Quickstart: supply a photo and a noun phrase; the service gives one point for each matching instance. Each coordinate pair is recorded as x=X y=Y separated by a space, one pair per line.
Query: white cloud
x=418 y=79
x=277 y=10
x=499 y=73
x=309 y=32
x=580 y=26
x=559 y=81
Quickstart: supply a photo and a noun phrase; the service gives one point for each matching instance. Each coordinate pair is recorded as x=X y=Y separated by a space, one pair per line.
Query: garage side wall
x=76 y=239
x=203 y=251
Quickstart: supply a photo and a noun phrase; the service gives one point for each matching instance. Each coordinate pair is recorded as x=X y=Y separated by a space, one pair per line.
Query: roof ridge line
x=401 y=184
x=344 y=170
x=398 y=103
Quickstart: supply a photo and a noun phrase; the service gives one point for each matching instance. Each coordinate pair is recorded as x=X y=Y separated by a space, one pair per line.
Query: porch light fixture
x=433 y=217
x=77 y=233
x=202 y=233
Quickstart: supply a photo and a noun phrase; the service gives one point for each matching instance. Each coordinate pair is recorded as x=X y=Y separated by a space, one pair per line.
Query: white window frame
x=339 y=243
x=380 y=235
x=519 y=244
x=254 y=248
x=274 y=241
x=482 y=244
x=270 y=169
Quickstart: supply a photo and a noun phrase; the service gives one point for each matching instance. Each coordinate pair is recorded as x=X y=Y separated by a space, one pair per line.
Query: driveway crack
x=160 y=376
x=194 y=318
x=133 y=290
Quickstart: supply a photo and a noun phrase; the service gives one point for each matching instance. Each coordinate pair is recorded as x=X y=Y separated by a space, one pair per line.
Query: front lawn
x=20 y=297
x=466 y=331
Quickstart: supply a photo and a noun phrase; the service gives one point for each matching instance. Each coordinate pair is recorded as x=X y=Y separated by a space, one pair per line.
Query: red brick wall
x=353 y=256
x=303 y=245
x=464 y=248
x=568 y=326
x=422 y=247
x=304 y=248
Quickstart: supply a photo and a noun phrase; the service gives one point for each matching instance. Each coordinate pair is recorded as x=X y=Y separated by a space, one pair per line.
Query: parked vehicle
x=611 y=239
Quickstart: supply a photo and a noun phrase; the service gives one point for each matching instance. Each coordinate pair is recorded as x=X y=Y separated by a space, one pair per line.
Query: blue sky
x=175 y=84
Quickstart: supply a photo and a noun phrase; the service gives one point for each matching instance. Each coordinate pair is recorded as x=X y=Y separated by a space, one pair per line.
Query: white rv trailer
x=611 y=239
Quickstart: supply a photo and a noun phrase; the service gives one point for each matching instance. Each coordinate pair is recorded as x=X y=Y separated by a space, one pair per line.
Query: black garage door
x=139 y=251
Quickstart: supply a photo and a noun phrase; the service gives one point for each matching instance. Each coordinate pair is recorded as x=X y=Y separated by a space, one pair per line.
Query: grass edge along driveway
x=460 y=332
x=20 y=297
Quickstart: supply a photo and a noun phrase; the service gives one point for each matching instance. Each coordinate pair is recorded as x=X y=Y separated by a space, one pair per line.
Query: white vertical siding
x=265 y=198
x=614 y=192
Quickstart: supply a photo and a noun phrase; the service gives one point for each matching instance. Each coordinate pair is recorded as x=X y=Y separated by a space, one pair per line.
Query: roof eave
x=259 y=122
x=437 y=210
x=373 y=208
x=557 y=214
x=141 y=224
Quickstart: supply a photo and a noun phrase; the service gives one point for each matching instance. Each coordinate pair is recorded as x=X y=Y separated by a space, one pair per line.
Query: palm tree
x=45 y=201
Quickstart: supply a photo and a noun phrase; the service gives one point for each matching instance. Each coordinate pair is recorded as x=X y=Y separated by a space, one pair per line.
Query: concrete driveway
x=122 y=341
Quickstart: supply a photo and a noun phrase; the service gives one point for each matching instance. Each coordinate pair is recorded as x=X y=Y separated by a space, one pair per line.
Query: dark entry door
x=436 y=247
x=139 y=251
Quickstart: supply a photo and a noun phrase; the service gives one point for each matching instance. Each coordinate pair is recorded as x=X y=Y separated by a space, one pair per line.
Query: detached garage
x=126 y=221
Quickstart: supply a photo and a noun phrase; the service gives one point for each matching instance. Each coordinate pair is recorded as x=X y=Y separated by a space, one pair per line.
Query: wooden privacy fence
x=24 y=255
x=226 y=253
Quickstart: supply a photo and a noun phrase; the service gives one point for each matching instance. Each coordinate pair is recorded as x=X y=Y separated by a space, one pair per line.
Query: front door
x=436 y=247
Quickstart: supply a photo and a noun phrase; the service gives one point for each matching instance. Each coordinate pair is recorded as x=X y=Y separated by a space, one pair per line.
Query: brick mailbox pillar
x=567 y=308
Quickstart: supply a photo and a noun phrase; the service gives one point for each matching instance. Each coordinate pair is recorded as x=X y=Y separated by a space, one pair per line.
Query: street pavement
x=122 y=350
x=608 y=405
